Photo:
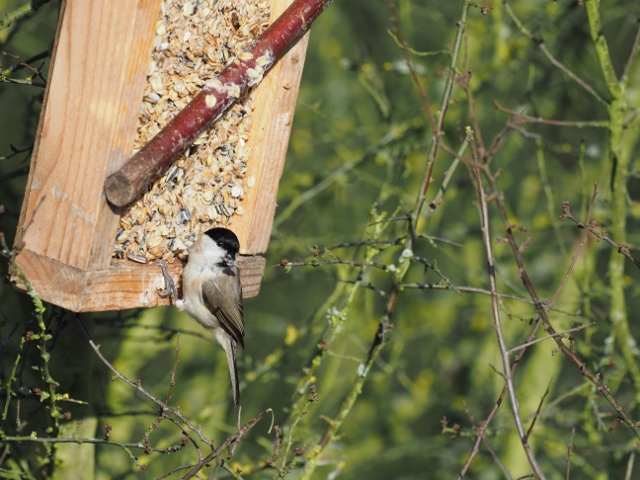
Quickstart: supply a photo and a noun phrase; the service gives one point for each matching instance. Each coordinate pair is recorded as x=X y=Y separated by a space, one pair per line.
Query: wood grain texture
x=120 y=286
x=274 y=106
x=87 y=127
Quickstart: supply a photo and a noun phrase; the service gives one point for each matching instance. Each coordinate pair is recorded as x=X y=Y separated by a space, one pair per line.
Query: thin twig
x=567 y=468
x=496 y=406
x=227 y=444
x=589 y=226
x=486 y=235
x=632 y=56
x=88 y=440
x=497 y=459
x=172 y=381
x=559 y=123
x=443 y=286
x=537 y=414
x=542 y=311
x=17 y=151
x=563 y=334
x=407 y=56
x=139 y=388
x=22 y=11
x=26 y=81
x=433 y=238
x=380 y=339
x=446 y=96
x=25 y=64
x=448 y=175
x=540 y=44
x=486 y=443
x=397 y=241
x=574 y=259
x=630 y=462
x=337 y=261
x=228 y=468
x=440 y=273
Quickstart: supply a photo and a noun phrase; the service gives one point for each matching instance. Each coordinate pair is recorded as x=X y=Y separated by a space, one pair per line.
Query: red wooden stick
x=141 y=170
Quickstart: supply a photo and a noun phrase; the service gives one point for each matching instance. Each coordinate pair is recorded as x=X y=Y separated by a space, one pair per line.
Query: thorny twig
x=602 y=235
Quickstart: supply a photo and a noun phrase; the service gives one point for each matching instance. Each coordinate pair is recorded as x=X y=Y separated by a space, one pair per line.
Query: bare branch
x=446 y=96
x=22 y=11
x=543 y=48
x=139 y=388
x=141 y=170
x=632 y=56
x=542 y=309
x=486 y=236
x=521 y=117
x=537 y=414
x=562 y=334
x=567 y=469
x=602 y=235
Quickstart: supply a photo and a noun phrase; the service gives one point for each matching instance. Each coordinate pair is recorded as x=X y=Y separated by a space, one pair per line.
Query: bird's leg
x=171 y=286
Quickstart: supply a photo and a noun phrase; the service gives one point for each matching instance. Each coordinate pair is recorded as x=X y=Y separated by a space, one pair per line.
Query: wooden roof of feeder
x=88 y=129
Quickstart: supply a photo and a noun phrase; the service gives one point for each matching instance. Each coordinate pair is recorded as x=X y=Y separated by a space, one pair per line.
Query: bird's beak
x=231 y=262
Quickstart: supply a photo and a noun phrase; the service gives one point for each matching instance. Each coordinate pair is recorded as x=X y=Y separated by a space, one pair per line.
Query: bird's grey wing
x=226 y=308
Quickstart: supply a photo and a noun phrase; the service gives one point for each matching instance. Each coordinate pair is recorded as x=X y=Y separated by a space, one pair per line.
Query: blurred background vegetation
x=358 y=153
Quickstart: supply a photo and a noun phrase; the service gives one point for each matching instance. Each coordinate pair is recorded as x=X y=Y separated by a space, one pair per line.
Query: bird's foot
x=171 y=286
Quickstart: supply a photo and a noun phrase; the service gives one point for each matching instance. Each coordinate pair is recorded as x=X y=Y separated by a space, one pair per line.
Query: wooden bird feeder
x=90 y=123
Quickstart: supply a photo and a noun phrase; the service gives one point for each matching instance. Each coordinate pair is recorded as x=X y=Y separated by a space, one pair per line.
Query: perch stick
x=247 y=69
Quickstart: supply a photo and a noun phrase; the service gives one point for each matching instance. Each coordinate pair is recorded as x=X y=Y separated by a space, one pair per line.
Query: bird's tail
x=229 y=345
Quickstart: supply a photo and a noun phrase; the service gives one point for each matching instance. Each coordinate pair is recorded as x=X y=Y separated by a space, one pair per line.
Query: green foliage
x=375 y=346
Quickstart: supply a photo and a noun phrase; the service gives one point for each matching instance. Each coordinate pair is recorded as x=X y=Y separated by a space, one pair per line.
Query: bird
x=212 y=293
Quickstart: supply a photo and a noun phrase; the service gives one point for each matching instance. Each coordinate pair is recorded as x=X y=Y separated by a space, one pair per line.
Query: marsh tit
x=212 y=293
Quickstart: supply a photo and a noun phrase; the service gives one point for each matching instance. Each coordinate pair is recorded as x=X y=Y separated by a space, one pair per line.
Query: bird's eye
x=220 y=243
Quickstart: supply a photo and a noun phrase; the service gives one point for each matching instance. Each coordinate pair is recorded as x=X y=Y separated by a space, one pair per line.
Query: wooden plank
x=87 y=128
x=53 y=281
x=86 y=131
x=120 y=286
x=274 y=104
x=130 y=286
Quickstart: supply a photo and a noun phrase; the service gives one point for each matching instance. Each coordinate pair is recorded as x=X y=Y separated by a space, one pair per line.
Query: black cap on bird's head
x=225 y=239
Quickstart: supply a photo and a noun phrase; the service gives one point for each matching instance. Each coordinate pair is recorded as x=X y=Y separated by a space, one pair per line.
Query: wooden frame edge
x=121 y=286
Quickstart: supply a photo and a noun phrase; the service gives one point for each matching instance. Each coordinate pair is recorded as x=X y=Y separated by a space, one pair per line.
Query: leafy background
x=360 y=144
